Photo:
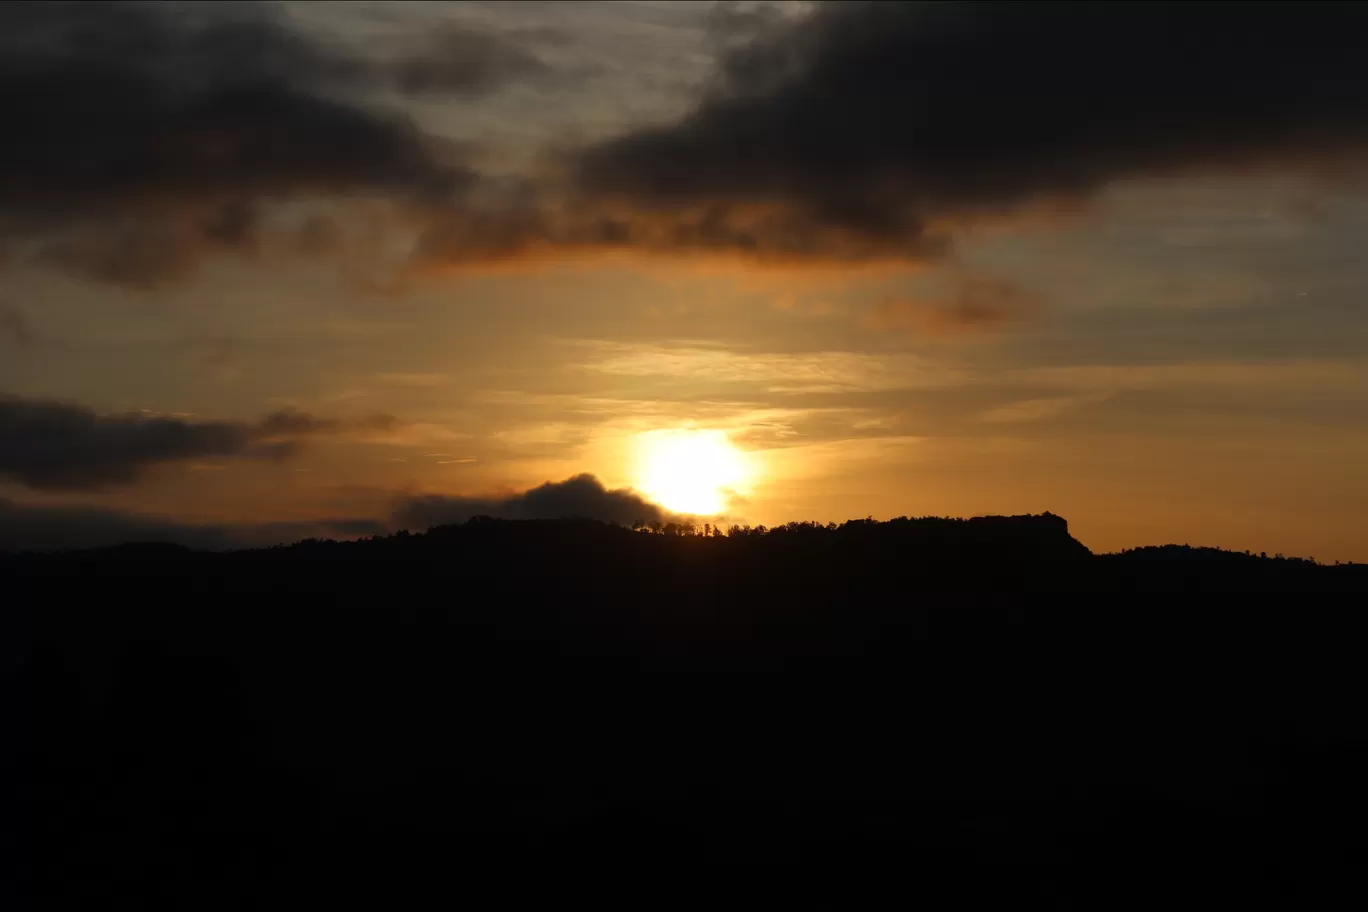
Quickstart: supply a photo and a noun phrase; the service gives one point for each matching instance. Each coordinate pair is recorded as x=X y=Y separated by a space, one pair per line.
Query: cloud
x=861 y=132
x=40 y=527
x=978 y=304
x=1288 y=375
x=866 y=129
x=43 y=527
x=1027 y=410
x=466 y=60
x=139 y=136
x=59 y=446
x=14 y=327
x=730 y=23
x=773 y=372
x=415 y=380
x=551 y=221
x=582 y=496
x=294 y=423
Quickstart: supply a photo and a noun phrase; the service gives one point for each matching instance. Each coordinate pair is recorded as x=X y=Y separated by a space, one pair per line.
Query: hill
x=955 y=712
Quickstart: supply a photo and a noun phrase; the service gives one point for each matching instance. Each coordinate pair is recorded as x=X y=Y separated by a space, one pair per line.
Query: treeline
x=799 y=560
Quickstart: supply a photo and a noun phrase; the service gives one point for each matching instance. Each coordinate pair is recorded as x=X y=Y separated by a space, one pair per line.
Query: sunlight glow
x=690 y=471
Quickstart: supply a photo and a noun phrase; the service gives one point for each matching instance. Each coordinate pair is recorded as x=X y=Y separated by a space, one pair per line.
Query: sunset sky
x=278 y=270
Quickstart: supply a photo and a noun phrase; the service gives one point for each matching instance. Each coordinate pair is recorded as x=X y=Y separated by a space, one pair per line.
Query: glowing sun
x=689 y=471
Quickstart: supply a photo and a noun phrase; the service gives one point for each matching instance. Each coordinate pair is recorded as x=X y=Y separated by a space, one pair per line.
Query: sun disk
x=689 y=471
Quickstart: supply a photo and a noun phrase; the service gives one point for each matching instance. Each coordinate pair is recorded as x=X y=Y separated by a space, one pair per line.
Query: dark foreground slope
x=945 y=712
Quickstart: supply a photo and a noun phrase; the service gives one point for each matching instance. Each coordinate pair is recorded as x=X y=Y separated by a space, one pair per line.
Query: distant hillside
x=803 y=561
x=958 y=713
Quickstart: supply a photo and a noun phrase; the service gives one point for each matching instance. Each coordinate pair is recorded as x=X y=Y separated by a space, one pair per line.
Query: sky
x=277 y=270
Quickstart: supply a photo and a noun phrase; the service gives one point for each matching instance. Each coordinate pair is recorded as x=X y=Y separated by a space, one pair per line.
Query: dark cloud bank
x=42 y=527
x=60 y=446
x=857 y=130
x=139 y=136
x=582 y=496
x=869 y=130
x=466 y=61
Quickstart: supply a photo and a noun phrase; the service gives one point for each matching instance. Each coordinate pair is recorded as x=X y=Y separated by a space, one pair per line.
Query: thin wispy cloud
x=1027 y=410
x=772 y=372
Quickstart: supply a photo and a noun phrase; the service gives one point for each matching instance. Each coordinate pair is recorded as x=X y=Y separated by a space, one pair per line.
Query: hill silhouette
x=936 y=710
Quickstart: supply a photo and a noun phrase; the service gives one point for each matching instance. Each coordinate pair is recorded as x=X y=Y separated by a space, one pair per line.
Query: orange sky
x=1173 y=359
